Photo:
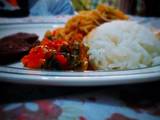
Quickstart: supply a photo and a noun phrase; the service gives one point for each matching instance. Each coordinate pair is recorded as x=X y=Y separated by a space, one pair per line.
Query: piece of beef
x=15 y=46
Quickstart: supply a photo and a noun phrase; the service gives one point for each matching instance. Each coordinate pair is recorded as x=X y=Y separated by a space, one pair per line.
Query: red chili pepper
x=55 y=44
x=59 y=43
x=48 y=43
x=61 y=59
x=45 y=41
x=38 y=55
x=35 y=59
x=36 y=63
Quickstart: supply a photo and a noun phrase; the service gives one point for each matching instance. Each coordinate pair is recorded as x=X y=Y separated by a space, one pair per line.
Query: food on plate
x=100 y=39
x=62 y=48
x=15 y=46
x=85 y=21
x=57 y=54
x=122 y=45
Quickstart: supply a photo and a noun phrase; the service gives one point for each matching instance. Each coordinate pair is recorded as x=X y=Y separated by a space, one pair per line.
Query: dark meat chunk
x=15 y=46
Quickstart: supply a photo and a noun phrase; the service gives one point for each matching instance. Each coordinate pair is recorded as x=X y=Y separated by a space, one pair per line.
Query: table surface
x=38 y=102
x=123 y=102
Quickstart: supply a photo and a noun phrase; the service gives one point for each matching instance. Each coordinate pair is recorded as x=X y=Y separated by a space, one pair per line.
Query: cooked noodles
x=85 y=21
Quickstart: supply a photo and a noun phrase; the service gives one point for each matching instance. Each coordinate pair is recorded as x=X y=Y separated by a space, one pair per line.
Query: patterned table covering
x=112 y=104
x=100 y=105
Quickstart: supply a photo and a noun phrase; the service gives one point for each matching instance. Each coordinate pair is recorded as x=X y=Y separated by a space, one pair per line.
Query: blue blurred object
x=50 y=7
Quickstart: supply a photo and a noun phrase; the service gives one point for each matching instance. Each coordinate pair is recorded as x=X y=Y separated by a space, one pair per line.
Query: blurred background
x=20 y=8
x=134 y=7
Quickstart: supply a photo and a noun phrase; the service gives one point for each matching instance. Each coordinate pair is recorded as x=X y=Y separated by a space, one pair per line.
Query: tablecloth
x=126 y=102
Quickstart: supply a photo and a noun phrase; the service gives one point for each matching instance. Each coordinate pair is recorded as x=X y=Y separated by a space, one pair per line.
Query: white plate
x=17 y=73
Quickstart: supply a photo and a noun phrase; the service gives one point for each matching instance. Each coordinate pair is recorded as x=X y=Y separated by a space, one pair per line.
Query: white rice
x=122 y=45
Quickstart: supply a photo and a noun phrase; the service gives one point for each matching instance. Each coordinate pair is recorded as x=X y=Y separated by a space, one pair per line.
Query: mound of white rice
x=122 y=45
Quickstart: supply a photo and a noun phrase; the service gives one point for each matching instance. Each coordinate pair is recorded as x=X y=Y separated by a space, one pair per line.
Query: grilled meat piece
x=15 y=46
